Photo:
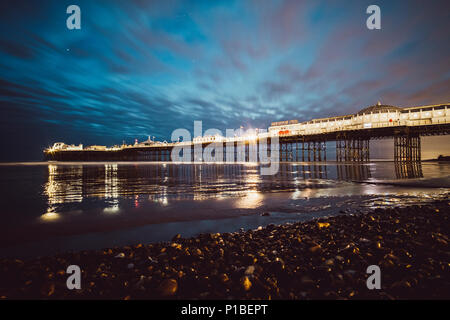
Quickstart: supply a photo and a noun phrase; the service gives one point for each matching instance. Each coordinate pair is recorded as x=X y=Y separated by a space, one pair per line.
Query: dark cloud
x=139 y=68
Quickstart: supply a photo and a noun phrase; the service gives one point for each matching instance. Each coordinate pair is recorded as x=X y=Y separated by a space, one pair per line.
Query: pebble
x=250 y=270
x=168 y=287
x=246 y=283
x=325 y=259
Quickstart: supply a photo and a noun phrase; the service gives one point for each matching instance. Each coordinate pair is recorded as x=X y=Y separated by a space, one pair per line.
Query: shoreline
x=324 y=258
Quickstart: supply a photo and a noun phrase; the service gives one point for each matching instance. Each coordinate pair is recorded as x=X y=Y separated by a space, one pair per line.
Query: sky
x=141 y=68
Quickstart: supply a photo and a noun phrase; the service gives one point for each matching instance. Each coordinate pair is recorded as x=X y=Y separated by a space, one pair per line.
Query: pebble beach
x=320 y=259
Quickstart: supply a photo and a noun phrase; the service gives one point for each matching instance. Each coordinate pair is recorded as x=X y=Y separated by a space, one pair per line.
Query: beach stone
x=176 y=246
x=323 y=225
x=249 y=271
x=329 y=262
x=224 y=278
x=315 y=249
x=152 y=260
x=168 y=287
x=48 y=289
x=176 y=237
x=246 y=283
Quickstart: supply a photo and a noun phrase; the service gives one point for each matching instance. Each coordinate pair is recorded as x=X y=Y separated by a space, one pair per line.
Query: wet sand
x=47 y=209
x=319 y=259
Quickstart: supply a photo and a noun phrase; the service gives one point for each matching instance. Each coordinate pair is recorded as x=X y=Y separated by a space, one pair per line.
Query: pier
x=305 y=141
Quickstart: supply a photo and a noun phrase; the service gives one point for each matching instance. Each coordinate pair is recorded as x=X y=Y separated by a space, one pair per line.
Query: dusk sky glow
x=144 y=68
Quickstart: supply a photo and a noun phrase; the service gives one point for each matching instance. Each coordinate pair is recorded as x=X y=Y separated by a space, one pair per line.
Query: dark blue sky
x=139 y=68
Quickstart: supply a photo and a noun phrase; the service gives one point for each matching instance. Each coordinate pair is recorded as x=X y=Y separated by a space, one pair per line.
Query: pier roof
x=379 y=108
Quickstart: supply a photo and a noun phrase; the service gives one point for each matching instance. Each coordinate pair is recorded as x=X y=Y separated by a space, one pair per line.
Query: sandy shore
x=320 y=259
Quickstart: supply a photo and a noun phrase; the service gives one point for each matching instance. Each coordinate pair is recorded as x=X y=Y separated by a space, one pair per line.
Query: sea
x=50 y=207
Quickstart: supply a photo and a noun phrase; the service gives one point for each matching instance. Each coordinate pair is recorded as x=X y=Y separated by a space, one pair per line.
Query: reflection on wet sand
x=111 y=188
x=356 y=172
x=162 y=182
x=59 y=193
x=79 y=200
x=408 y=170
x=69 y=184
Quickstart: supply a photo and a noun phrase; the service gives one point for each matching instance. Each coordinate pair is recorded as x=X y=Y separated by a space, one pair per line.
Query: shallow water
x=54 y=207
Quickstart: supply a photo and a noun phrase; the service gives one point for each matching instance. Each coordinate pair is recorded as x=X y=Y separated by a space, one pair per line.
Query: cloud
x=141 y=68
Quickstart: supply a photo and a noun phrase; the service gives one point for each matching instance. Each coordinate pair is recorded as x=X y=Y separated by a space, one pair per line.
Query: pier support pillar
x=408 y=170
x=352 y=149
x=407 y=148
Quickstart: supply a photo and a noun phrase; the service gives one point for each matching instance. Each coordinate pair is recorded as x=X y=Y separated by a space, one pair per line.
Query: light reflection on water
x=50 y=215
x=60 y=200
x=162 y=183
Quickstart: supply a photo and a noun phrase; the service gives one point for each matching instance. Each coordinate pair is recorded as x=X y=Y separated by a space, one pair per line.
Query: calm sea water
x=52 y=207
